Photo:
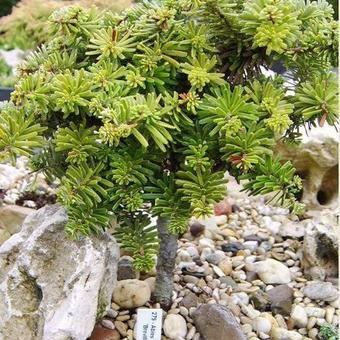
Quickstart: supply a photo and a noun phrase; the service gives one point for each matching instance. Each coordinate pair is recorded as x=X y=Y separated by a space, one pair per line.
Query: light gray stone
x=52 y=287
x=318 y=290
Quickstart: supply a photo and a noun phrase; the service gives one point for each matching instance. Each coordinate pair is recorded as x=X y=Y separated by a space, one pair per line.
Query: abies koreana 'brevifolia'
x=141 y=113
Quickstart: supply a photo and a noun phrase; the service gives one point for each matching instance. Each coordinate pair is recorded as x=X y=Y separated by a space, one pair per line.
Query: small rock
x=272 y=226
x=315 y=312
x=260 y=300
x=215 y=258
x=253 y=238
x=241 y=297
x=272 y=272
x=131 y=293
x=251 y=276
x=293 y=229
x=299 y=316
x=251 y=245
x=217 y=322
x=226 y=266
x=190 y=279
x=284 y=334
x=196 y=229
x=318 y=290
x=229 y=281
x=218 y=271
x=190 y=300
x=121 y=327
x=206 y=243
x=193 y=252
x=281 y=299
x=262 y=325
x=235 y=208
x=222 y=208
x=175 y=326
x=100 y=333
x=266 y=245
x=232 y=247
x=108 y=324
x=126 y=269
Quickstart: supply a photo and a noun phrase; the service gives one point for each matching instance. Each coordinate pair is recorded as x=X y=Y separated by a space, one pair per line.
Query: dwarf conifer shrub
x=142 y=113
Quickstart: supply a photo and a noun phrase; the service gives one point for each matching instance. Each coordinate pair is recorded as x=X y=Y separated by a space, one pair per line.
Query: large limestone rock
x=11 y=218
x=50 y=286
x=316 y=161
x=320 y=251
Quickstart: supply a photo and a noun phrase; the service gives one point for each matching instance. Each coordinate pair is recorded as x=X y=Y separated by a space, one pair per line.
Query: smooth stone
x=299 y=316
x=232 y=247
x=222 y=208
x=100 y=333
x=318 y=290
x=189 y=300
x=215 y=258
x=131 y=293
x=226 y=266
x=272 y=272
x=262 y=325
x=196 y=229
x=217 y=322
x=253 y=238
x=175 y=326
x=241 y=297
x=190 y=279
x=229 y=281
x=284 y=334
x=251 y=245
x=281 y=299
x=206 y=243
x=315 y=312
x=193 y=252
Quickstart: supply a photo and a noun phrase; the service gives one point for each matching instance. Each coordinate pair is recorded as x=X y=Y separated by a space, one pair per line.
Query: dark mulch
x=39 y=199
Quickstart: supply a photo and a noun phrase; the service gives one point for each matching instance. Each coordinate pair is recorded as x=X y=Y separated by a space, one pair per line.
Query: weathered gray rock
x=320 y=251
x=217 y=322
x=50 y=286
x=11 y=218
x=316 y=160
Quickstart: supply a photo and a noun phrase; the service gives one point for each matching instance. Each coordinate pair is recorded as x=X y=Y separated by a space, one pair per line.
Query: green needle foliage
x=141 y=113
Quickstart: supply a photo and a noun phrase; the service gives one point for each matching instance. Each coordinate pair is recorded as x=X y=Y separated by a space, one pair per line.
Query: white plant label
x=149 y=324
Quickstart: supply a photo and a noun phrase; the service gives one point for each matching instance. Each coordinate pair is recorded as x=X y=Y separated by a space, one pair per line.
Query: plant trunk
x=165 y=264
